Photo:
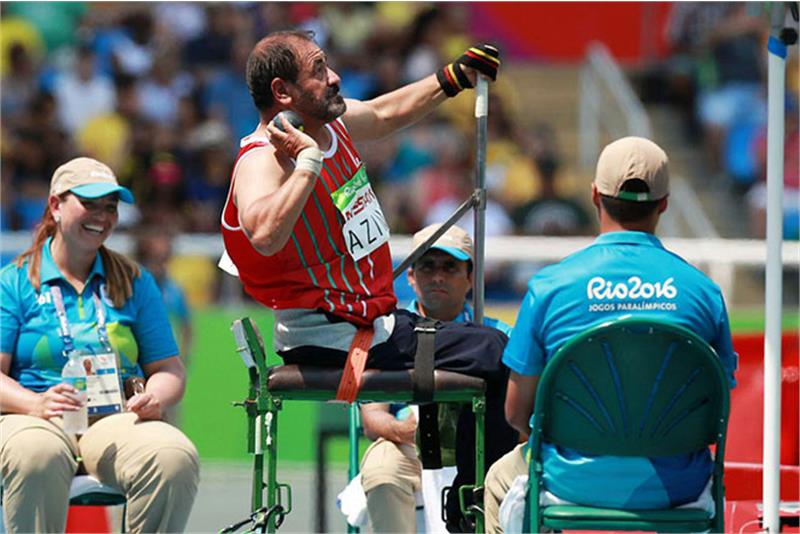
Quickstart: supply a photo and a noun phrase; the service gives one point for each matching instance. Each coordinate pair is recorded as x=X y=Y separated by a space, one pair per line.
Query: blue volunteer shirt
x=621 y=274
x=29 y=330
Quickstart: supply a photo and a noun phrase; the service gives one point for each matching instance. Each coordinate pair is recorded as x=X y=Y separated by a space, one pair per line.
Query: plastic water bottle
x=74 y=374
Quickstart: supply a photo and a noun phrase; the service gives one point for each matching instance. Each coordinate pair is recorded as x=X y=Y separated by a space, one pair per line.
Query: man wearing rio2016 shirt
x=625 y=272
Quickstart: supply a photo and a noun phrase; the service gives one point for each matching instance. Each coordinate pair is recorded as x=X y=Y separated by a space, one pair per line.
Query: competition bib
x=365 y=227
x=104 y=394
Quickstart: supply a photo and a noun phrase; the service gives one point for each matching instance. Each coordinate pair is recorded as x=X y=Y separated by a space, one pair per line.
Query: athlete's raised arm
x=376 y=118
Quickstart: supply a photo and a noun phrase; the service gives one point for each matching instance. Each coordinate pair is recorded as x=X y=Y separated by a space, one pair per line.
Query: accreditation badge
x=102 y=384
x=365 y=227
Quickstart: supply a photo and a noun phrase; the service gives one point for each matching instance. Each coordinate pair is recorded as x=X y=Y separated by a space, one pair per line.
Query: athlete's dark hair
x=630 y=211
x=275 y=56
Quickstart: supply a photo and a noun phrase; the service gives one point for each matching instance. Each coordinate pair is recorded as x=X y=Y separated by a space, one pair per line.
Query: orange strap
x=354 y=366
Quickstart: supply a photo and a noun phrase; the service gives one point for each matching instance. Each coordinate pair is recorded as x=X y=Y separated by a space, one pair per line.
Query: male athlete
x=304 y=228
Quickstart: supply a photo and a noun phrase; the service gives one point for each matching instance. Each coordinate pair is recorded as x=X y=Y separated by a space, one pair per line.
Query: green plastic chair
x=630 y=387
x=271 y=386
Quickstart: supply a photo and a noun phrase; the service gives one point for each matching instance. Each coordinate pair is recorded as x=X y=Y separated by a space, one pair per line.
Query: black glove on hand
x=484 y=58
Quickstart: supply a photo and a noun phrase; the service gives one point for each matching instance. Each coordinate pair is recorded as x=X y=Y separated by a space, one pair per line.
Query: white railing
x=719 y=257
x=608 y=104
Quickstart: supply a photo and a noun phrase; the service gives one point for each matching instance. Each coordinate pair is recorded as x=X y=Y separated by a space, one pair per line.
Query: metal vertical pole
x=479 y=408
x=354 y=433
x=481 y=116
x=269 y=440
x=774 y=270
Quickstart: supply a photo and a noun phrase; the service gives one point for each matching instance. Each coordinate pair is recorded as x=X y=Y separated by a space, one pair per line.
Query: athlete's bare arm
x=379 y=117
x=270 y=192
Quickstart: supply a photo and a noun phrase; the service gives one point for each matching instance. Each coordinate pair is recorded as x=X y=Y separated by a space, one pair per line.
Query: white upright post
x=774 y=271
x=482 y=117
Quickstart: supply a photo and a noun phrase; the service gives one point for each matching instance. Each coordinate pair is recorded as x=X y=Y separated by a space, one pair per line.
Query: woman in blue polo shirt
x=69 y=292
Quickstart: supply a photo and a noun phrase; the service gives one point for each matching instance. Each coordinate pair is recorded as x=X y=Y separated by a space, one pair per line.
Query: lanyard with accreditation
x=102 y=376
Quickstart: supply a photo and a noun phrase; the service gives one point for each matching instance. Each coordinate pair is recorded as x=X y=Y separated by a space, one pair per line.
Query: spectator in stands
x=390 y=469
x=208 y=167
x=757 y=196
x=83 y=93
x=154 y=250
x=687 y=30
x=159 y=93
x=20 y=83
x=734 y=93
x=550 y=213
x=423 y=44
x=69 y=292
x=226 y=96
x=630 y=192
x=108 y=137
x=30 y=161
x=134 y=48
x=185 y=20
x=212 y=49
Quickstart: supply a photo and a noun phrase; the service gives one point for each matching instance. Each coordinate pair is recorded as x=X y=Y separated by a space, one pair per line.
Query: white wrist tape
x=309 y=159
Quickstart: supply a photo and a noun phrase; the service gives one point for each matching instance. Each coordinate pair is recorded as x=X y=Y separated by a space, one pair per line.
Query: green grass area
x=748 y=321
x=217 y=377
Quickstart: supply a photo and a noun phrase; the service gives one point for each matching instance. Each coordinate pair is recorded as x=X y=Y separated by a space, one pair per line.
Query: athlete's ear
x=280 y=92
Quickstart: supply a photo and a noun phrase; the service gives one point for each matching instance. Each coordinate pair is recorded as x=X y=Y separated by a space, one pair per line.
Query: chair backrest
x=86 y=490
x=250 y=346
x=633 y=387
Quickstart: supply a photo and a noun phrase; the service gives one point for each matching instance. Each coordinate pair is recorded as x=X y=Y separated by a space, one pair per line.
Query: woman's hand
x=146 y=406
x=55 y=401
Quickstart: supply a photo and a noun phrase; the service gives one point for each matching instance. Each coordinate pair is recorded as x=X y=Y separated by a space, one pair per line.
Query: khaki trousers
x=498 y=481
x=153 y=463
x=391 y=474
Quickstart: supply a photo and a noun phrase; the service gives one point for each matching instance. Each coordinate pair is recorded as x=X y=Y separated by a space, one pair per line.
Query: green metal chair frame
x=263 y=404
x=630 y=387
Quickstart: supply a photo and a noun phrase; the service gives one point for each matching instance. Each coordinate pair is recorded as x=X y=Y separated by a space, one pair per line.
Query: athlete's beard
x=326 y=110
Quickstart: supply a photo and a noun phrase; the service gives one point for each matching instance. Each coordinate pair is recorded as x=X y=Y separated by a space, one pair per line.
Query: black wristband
x=448 y=80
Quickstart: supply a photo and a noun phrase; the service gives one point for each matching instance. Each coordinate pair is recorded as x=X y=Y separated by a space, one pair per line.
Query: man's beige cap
x=88 y=178
x=455 y=241
x=630 y=158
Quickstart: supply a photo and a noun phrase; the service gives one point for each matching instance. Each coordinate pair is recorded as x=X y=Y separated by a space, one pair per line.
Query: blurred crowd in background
x=718 y=76
x=157 y=91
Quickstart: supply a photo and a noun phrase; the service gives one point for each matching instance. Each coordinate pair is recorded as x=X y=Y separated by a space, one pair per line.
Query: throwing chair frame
x=271 y=386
